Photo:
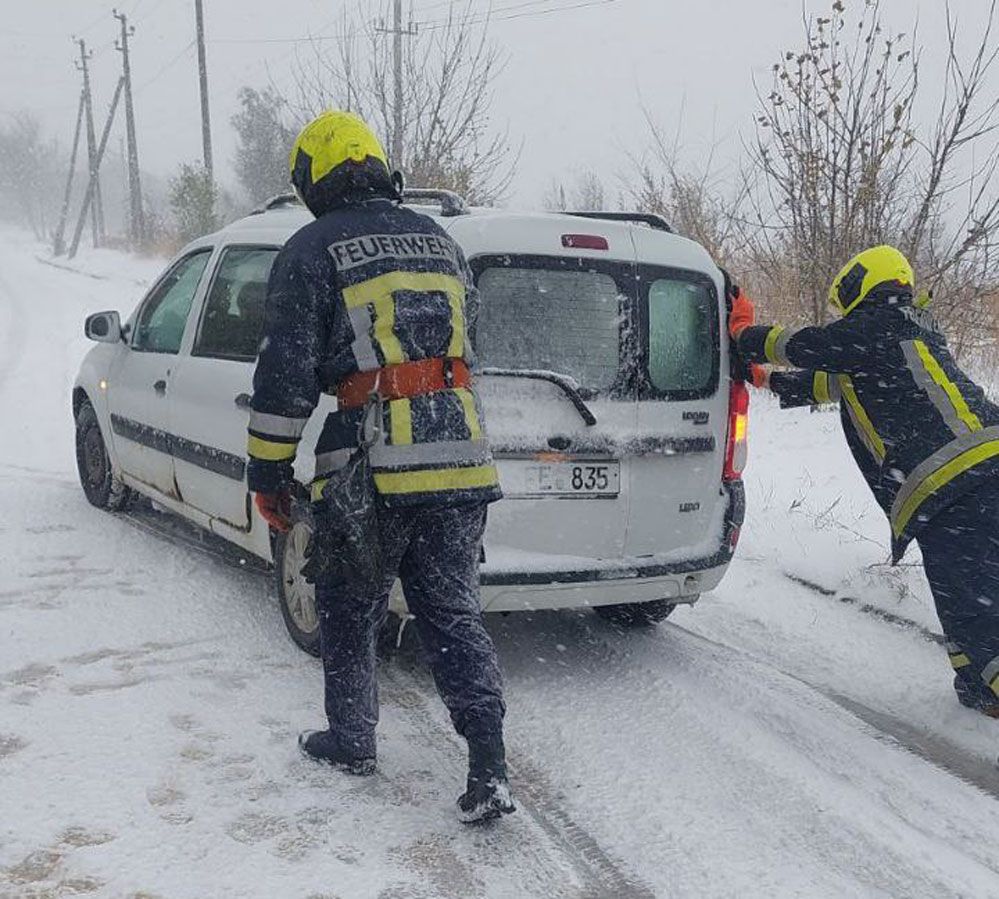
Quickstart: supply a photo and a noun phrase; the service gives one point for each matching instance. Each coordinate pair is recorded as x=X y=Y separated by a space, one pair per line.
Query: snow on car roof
x=491 y=230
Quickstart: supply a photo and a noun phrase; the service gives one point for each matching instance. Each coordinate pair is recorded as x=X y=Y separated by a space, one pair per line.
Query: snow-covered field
x=794 y=734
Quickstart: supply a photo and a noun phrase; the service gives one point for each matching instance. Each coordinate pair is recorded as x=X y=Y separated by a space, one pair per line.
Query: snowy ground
x=792 y=735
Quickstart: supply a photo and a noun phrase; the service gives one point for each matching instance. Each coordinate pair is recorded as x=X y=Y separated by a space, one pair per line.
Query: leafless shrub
x=585 y=192
x=696 y=201
x=843 y=165
x=32 y=171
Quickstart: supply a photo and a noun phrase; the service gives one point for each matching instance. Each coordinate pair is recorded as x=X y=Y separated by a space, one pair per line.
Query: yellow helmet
x=867 y=271
x=336 y=157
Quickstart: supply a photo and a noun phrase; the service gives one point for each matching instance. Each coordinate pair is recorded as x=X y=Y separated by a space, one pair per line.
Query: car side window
x=681 y=356
x=160 y=325
x=233 y=318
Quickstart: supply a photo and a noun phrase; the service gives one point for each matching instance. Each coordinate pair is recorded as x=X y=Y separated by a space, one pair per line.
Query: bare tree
x=32 y=170
x=263 y=142
x=698 y=202
x=843 y=164
x=584 y=193
x=449 y=66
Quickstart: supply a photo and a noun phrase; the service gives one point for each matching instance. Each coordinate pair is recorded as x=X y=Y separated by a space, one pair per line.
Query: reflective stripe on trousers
x=934 y=473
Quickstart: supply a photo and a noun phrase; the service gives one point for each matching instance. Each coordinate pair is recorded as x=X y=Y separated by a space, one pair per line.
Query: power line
x=490 y=13
x=284 y=40
x=431 y=25
x=165 y=67
x=100 y=20
x=489 y=17
x=440 y=3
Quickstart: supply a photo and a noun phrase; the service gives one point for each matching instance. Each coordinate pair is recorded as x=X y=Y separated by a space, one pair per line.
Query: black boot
x=323 y=746
x=488 y=791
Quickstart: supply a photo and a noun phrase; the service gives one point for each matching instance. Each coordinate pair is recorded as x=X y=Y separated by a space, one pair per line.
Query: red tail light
x=737 y=447
x=585 y=242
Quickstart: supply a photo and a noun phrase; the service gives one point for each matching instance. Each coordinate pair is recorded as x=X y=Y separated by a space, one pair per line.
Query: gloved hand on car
x=743 y=313
x=275 y=509
x=759 y=376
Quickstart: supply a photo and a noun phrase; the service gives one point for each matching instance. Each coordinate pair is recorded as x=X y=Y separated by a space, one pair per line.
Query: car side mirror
x=104 y=327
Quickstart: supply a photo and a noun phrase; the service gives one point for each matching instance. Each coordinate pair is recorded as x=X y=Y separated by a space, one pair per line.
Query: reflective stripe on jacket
x=921 y=431
x=366 y=286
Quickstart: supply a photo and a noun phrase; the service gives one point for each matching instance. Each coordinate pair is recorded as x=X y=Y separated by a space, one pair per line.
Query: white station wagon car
x=603 y=368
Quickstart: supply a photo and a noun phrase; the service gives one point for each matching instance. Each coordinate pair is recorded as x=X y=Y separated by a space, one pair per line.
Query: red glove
x=743 y=314
x=760 y=377
x=275 y=509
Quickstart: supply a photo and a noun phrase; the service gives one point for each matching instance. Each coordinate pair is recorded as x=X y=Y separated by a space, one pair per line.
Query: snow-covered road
x=772 y=741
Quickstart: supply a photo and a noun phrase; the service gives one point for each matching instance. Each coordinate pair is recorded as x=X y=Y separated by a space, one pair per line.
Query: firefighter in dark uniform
x=370 y=302
x=924 y=435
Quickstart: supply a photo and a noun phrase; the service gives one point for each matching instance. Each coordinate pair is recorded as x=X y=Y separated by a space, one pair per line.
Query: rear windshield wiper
x=566 y=384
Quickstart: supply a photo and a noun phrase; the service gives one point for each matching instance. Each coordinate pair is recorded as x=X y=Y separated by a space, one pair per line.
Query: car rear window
x=566 y=321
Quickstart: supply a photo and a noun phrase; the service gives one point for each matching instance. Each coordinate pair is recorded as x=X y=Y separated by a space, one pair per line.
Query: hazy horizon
x=577 y=81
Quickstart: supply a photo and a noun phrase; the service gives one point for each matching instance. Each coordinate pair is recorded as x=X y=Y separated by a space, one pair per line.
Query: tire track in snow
x=411 y=690
x=928 y=746
x=939 y=752
x=13 y=331
x=899 y=621
x=601 y=875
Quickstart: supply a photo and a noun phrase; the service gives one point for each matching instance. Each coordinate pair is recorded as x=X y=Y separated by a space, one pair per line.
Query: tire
x=101 y=486
x=296 y=596
x=637 y=614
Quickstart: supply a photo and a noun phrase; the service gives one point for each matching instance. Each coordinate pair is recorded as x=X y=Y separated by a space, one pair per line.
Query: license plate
x=573 y=479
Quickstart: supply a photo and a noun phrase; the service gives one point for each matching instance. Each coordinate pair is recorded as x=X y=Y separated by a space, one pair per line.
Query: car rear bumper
x=682 y=587
x=594 y=582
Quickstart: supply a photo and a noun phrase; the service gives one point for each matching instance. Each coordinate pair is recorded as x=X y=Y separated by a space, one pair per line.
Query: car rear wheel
x=637 y=614
x=101 y=486
x=297 y=597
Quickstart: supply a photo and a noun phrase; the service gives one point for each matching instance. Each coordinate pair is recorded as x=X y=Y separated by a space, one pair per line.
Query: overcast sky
x=572 y=91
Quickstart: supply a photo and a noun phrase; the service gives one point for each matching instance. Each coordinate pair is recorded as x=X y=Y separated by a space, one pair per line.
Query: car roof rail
x=451 y=203
x=279 y=202
x=656 y=222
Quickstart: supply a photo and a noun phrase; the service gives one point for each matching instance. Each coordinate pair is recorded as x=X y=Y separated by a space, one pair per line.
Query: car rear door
x=677 y=501
x=140 y=382
x=547 y=324
x=210 y=394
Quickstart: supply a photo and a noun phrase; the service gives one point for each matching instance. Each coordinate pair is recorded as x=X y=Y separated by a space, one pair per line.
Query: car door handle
x=160 y=387
x=244 y=400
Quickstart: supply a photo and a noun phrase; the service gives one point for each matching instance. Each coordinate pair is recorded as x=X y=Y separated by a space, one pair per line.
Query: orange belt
x=403 y=381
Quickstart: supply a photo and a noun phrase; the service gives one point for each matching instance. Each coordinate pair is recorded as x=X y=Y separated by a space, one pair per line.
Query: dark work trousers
x=961 y=556
x=435 y=553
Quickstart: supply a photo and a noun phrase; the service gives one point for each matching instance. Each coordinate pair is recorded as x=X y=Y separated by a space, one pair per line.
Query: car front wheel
x=637 y=614
x=296 y=595
x=101 y=486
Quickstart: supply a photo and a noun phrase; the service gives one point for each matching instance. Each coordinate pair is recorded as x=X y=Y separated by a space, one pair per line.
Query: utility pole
x=206 y=125
x=137 y=227
x=97 y=207
x=58 y=245
x=398 y=33
x=89 y=195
